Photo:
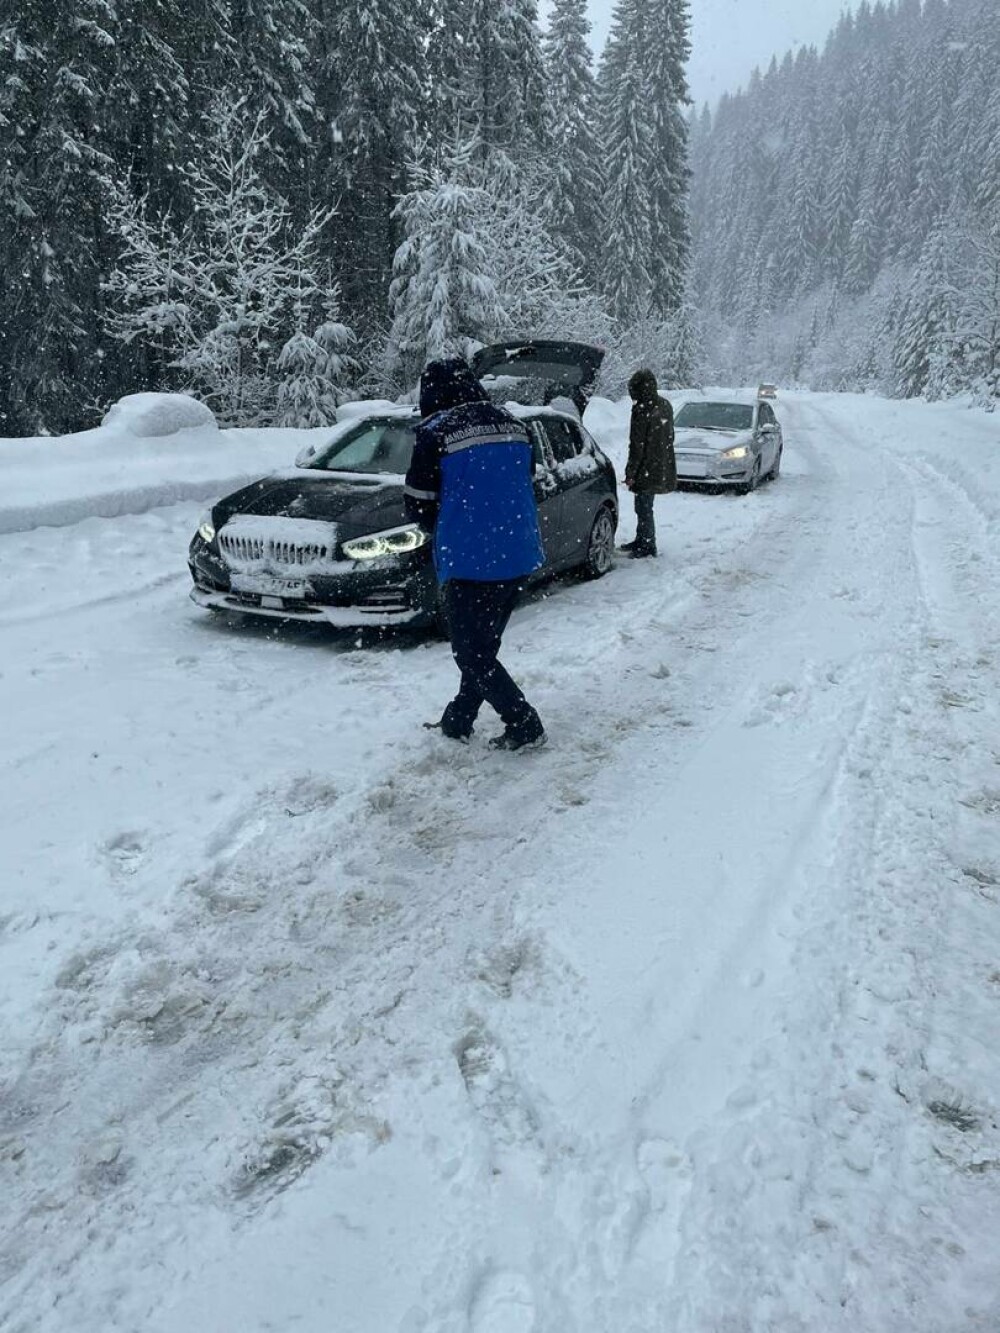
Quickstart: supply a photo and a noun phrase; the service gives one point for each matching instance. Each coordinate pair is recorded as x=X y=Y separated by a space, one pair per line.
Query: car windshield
x=715 y=416
x=373 y=446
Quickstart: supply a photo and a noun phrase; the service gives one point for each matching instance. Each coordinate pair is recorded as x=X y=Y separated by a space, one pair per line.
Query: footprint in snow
x=502 y=1303
x=308 y=794
x=666 y=1174
x=773 y=705
x=306 y=1118
x=984 y=802
x=124 y=853
x=493 y=1090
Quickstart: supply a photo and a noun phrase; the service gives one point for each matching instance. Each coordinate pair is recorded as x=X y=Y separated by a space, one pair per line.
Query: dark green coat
x=651 y=465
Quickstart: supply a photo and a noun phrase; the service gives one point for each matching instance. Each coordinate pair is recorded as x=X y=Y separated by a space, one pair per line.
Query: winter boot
x=516 y=740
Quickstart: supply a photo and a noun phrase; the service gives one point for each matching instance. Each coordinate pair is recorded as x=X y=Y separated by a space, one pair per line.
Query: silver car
x=722 y=444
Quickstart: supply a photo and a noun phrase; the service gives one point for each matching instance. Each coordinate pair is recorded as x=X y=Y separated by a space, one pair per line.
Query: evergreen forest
x=846 y=209
x=278 y=205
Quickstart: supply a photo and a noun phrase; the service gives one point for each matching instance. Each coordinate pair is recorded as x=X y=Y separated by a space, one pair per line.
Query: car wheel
x=775 y=472
x=600 y=545
x=754 y=481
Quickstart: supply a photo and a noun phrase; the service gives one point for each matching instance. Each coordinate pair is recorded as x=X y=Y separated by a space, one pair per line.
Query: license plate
x=267 y=585
x=692 y=467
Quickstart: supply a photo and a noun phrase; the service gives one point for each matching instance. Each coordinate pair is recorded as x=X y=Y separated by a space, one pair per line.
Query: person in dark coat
x=651 y=469
x=470 y=483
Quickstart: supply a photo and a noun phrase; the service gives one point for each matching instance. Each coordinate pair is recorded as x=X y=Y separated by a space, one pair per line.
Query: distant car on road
x=767 y=391
x=329 y=540
x=727 y=444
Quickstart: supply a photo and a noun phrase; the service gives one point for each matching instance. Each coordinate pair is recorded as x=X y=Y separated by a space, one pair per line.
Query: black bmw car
x=330 y=541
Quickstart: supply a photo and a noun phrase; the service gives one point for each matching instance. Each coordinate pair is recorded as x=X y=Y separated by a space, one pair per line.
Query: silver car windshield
x=374 y=446
x=715 y=416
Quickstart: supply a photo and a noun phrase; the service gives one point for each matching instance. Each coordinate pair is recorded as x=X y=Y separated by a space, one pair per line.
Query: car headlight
x=740 y=451
x=206 y=528
x=396 y=541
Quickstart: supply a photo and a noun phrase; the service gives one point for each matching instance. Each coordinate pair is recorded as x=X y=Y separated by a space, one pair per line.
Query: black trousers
x=477 y=615
x=645 y=529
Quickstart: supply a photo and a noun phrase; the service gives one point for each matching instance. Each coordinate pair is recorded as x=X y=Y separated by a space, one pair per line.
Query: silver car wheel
x=750 y=486
x=601 y=547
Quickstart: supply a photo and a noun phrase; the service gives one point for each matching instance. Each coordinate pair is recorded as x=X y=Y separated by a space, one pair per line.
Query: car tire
x=775 y=472
x=600 y=544
x=754 y=482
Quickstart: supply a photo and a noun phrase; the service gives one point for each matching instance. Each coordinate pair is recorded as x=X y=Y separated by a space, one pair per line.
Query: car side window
x=766 y=415
x=562 y=438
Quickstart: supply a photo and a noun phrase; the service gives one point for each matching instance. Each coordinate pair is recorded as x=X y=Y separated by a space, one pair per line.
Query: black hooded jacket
x=651 y=466
x=470 y=480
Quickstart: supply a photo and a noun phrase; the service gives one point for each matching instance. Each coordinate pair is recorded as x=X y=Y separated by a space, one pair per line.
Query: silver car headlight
x=206 y=528
x=395 y=541
x=740 y=451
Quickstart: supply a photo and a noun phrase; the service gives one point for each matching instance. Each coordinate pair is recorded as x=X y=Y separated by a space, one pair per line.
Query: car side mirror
x=305 y=456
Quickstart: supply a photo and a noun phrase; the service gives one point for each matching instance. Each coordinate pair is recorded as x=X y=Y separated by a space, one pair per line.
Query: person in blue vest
x=470 y=483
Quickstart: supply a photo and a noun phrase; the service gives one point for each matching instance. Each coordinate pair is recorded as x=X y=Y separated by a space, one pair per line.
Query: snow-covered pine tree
x=665 y=59
x=978 y=281
x=314 y=370
x=304 y=399
x=443 y=296
x=575 y=183
x=263 y=51
x=449 y=116
x=926 y=351
x=56 y=58
x=338 y=343
x=628 y=136
x=840 y=205
x=504 y=77
x=372 y=89
x=530 y=271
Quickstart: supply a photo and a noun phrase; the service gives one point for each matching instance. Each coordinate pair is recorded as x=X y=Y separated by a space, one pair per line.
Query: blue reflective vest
x=471 y=480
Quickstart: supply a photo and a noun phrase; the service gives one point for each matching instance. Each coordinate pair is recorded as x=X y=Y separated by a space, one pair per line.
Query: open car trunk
x=535 y=371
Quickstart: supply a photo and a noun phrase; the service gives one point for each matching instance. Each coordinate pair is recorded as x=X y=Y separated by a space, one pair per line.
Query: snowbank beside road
x=110 y=471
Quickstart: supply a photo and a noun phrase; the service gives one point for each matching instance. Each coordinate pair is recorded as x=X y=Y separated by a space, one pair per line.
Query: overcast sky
x=730 y=37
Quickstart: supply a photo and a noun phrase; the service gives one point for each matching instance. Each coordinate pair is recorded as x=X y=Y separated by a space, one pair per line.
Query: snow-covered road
x=688 y=1022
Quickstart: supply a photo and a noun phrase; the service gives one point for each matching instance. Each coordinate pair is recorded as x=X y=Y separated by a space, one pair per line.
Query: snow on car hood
x=715 y=441
x=358 y=504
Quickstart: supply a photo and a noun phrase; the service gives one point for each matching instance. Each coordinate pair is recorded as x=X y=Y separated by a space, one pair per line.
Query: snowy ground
x=687 y=1023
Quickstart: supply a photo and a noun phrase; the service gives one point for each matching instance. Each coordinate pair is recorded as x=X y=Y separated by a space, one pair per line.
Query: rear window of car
x=715 y=416
x=373 y=446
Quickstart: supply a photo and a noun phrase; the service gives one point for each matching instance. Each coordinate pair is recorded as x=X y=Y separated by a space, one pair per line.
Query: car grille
x=249 y=550
x=291 y=545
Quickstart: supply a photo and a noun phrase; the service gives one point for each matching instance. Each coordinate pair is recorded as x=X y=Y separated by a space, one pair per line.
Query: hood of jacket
x=447 y=384
x=642 y=386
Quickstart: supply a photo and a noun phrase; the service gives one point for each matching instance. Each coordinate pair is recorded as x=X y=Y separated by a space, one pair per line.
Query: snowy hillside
x=688 y=1022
